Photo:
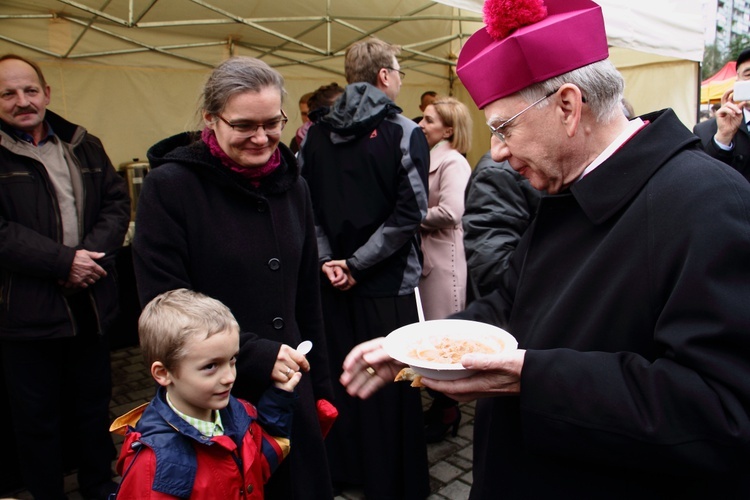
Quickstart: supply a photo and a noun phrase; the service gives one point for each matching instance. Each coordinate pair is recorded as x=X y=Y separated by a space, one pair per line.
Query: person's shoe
x=440 y=422
x=100 y=492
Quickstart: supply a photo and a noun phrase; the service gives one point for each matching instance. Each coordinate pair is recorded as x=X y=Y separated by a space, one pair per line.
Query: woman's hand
x=367 y=368
x=288 y=363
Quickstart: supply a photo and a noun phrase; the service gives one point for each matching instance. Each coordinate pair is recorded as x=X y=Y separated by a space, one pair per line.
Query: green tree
x=713 y=60
x=736 y=45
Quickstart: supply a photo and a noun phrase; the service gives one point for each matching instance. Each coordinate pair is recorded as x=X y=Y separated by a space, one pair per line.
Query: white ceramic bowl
x=399 y=343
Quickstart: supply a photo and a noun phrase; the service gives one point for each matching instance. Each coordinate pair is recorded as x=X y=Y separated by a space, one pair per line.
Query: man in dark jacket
x=63 y=215
x=500 y=205
x=726 y=136
x=628 y=293
x=367 y=168
x=427 y=98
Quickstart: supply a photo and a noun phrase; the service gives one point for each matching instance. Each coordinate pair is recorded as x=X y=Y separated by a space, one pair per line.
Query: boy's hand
x=290 y=384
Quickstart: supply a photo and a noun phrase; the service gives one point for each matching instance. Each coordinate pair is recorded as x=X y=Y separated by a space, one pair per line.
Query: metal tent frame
x=312 y=34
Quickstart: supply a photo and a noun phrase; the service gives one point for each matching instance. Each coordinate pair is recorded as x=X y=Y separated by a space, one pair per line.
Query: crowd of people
x=612 y=246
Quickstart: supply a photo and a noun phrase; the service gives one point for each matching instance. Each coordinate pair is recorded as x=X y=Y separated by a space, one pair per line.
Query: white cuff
x=724 y=147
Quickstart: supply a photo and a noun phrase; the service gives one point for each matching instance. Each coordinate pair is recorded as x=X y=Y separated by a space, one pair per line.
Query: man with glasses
x=628 y=293
x=366 y=166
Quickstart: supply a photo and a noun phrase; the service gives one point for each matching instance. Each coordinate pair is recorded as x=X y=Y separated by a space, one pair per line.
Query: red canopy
x=727 y=72
x=713 y=87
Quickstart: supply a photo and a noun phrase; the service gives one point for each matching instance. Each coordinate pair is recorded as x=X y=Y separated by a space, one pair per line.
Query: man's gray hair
x=601 y=85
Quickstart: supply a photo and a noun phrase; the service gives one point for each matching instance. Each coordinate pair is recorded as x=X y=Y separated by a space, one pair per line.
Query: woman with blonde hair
x=446 y=125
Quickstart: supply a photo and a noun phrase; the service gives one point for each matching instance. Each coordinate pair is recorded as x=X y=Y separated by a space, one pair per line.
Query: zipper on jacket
x=44 y=176
x=96 y=311
x=69 y=155
x=73 y=325
x=14 y=174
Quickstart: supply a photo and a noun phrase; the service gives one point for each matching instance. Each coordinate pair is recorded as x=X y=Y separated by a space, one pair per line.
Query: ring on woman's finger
x=288 y=371
x=370 y=370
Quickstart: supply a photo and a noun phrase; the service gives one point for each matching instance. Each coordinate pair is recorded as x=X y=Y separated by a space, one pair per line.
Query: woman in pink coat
x=446 y=124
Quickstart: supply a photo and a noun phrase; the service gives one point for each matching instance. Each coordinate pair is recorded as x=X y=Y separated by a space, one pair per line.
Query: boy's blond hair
x=364 y=60
x=170 y=319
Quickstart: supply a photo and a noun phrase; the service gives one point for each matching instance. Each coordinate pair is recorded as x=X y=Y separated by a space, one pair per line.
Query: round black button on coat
x=278 y=323
x=274 y=264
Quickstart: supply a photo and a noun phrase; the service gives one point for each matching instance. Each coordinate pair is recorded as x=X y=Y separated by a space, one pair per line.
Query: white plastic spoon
x=304 y=347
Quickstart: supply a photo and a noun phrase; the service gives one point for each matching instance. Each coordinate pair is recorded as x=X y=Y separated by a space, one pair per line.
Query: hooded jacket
x=375 y=162
x=163 y=456
x=203 y=227
x=500 y=205
x=32 y=255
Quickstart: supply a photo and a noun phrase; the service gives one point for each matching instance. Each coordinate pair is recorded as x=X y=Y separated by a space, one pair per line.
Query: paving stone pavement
x=450 y=460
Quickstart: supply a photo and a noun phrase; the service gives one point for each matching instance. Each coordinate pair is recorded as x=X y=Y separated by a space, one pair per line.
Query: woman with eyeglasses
x=225 y=212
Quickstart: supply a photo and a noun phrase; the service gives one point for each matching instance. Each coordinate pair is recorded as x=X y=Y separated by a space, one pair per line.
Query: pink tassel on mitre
x=502 y=17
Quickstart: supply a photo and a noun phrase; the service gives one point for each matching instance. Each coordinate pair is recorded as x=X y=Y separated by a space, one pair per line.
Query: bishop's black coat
x=631 y=294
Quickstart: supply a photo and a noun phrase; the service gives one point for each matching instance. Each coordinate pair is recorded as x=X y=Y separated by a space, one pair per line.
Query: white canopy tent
x=131 y=70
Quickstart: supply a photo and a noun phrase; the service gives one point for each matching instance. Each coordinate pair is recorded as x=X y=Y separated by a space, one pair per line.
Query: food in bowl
x=446 y=349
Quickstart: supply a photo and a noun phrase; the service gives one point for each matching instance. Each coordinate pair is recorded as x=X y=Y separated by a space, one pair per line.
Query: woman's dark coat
x=203 y=227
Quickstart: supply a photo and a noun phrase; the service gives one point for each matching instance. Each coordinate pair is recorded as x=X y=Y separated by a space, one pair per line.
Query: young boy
x=195 y=440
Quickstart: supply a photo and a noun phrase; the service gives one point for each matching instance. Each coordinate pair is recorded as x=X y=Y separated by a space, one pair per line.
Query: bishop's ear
x=570 y=102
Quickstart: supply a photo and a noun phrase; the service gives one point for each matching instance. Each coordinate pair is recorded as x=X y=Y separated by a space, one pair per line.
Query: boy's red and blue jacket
x=164 y=457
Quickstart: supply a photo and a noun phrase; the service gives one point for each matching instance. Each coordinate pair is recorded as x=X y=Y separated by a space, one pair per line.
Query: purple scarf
x=254 y=174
